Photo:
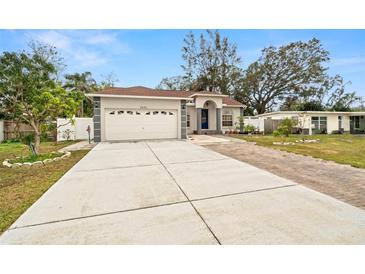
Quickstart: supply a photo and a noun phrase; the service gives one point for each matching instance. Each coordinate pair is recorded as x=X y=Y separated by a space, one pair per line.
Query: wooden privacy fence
x=13 y=129
x=270 y=125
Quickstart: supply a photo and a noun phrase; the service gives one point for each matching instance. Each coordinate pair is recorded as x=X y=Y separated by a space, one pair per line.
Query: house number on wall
x=143 y=107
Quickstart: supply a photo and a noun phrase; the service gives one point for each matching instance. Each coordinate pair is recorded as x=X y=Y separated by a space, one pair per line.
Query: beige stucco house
x=137 y=113
x=313 y=122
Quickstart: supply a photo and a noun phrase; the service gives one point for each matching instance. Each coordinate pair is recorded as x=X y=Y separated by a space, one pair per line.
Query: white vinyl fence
x=257 y=122
x=1 y=131
x=66 y=130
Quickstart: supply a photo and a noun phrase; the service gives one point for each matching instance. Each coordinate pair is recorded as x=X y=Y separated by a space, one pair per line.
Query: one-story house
x=314 y=122
x=137 y=113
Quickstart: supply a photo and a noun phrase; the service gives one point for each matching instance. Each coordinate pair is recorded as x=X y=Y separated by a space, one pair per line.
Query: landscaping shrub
x=249 y=128
x=285 y=127
x=29 y=141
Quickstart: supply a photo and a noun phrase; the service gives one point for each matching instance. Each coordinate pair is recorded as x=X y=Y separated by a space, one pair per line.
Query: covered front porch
x=205 y=117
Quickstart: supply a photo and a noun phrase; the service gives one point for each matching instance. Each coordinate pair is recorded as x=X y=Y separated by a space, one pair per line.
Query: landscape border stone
x=7 y=163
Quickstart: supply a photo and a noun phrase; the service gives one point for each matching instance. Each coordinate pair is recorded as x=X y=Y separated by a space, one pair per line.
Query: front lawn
x=343 y=149
x=21 y=187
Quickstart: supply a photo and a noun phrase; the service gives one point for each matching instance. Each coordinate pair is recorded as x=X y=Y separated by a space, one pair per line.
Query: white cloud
x=348 y=61
x=100 y=38
x=88 y=58
x=54 y=38
x=86 y=48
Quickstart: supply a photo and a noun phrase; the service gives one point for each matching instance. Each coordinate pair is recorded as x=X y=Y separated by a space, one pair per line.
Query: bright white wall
x=346 y=122
x=256 y=122
x=332 y=123
x=138 y=103
x=200 y=101
x=78 y=128
x=332 y=120
x=1 y=131
x=236 y=113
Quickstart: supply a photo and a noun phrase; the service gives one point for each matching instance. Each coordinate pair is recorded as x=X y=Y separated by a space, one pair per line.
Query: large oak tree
x=295 y=69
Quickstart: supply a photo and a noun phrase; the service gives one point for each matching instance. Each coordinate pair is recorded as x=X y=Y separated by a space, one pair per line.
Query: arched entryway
x=209 y=118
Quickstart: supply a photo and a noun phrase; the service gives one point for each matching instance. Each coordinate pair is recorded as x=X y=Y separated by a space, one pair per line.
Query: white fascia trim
x=233 y=106
x=223 y=105
x=310 y=113
x=136 y=97
x=208 y=95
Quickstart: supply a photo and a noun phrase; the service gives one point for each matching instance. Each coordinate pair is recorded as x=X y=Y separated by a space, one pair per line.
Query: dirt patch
x=342 y=182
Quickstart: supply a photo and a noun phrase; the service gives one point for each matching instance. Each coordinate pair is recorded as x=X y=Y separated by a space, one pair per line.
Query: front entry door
x=205 y=119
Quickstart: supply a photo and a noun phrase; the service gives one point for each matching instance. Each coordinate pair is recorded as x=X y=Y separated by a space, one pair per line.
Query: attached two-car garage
x=139 y=113
x=139 y=124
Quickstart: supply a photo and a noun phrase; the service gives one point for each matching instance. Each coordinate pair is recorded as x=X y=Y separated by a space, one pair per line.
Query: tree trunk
x=37 y=134
x=37 y=141
x=260 y=108
x=82 y=108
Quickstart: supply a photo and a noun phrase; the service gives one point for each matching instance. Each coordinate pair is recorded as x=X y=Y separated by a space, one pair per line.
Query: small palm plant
x=29 y=141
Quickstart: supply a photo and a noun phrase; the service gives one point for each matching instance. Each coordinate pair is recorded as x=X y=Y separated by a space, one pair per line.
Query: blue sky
x=143 y=57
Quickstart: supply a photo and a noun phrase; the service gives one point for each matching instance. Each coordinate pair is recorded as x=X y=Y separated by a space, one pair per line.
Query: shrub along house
x=315 y=122
x=138 y=113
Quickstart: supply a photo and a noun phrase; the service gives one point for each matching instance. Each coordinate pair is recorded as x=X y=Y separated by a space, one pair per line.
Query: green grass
x=39 y=157
x=21 y=187
x=343 y=149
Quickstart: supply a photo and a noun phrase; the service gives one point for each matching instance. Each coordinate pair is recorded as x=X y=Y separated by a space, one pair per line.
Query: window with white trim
x=227 y=120
x=339 y=122
x=319 y=124
x=188 y=120
x=357 y=122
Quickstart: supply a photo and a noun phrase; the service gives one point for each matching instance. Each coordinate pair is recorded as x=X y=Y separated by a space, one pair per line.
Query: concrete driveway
x=176 y=192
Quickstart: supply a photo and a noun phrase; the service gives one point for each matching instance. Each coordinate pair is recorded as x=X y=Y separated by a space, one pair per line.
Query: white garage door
x=136 y=124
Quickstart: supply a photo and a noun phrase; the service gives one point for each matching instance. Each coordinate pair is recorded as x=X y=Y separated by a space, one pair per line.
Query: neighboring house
x=314 y=122
x=142 y=113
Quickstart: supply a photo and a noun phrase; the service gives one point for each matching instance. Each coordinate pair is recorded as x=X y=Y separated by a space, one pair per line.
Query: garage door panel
x=135 y=124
